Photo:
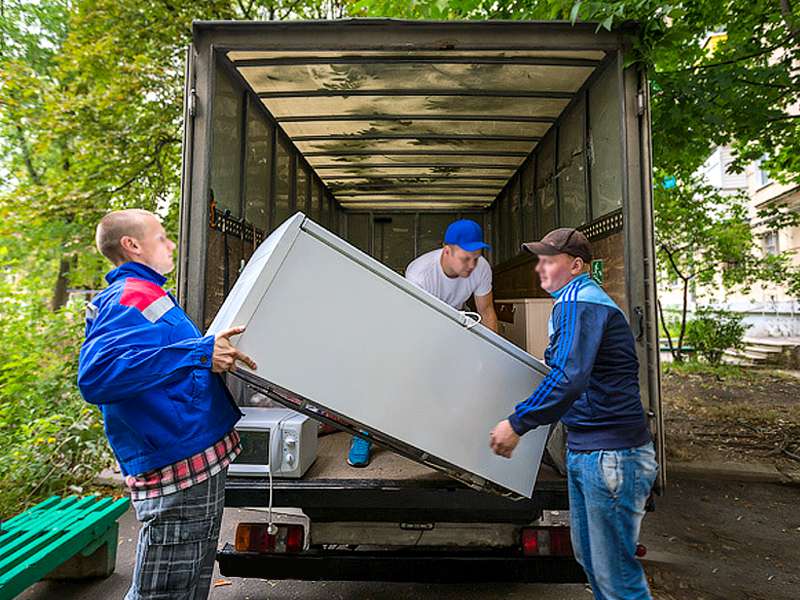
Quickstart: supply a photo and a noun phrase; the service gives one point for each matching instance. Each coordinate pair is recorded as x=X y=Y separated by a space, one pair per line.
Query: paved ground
x=252 y=589
x=708 y=540
x=724 y=540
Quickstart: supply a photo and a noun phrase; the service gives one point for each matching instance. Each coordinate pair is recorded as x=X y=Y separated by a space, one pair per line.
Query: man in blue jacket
x=593 y=387
x=168 y=415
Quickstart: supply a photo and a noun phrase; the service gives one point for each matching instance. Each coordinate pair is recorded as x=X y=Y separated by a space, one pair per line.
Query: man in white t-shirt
x=452 y=273
x=457 y=271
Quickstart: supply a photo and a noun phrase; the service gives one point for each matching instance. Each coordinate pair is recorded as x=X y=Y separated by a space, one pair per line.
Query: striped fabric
x=568 y=300
x=187 y=472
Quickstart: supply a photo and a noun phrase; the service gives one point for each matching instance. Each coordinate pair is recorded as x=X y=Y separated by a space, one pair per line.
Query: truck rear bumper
x=397 y=501
x=400 y=566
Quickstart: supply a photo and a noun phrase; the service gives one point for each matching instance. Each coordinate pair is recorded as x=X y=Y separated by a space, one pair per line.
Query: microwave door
x=275 y=443
x=259 y=447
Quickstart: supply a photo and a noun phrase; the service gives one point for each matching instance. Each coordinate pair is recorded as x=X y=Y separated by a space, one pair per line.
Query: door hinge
x=192 y=102
x=640 y=102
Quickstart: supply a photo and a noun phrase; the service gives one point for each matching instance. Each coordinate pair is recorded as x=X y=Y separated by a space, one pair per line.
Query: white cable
x=271 y=529
x=474 y=315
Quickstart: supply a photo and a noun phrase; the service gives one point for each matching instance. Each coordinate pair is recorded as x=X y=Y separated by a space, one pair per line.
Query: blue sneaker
x=359 y=452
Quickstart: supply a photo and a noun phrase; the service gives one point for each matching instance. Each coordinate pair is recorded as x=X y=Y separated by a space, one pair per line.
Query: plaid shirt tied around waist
x=186 y=472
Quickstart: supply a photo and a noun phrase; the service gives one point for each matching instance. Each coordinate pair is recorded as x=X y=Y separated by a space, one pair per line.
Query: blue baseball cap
x=466 y=234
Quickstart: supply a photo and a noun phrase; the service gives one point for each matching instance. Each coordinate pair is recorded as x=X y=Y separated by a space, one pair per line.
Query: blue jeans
x=607 y=494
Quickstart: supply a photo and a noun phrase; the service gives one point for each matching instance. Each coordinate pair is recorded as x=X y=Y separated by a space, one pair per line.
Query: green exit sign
x=597 y=271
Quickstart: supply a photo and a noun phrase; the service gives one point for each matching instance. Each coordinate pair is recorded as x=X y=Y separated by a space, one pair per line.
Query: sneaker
x=359 y=452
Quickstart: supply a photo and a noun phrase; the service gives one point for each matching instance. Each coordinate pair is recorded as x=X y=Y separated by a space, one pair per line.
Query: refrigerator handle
x=470 y=319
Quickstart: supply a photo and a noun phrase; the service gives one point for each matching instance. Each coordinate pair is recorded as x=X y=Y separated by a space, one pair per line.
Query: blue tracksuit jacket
x=148 y=368
x=593 y=385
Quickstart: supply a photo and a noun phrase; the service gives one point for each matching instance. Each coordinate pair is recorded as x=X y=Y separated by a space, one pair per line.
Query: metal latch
x=417 y=526
x=640 y=102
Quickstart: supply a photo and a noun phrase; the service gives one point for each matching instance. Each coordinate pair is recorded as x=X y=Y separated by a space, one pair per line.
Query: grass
x=727 y=412
x=695 y=367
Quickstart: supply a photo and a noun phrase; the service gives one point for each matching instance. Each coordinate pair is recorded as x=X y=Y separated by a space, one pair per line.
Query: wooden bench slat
x=96 y=507
x=66 y=509
x=25 y=515
x=10 y=550
x=39 y=564
x=12 y=526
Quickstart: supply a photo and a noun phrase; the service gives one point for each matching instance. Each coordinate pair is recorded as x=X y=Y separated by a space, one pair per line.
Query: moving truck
x=384 y=132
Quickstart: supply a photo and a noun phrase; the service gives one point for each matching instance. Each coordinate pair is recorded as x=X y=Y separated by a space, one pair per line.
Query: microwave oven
x=276 y=439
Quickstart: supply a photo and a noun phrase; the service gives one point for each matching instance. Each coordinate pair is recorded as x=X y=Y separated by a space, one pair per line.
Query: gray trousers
x=178 y=542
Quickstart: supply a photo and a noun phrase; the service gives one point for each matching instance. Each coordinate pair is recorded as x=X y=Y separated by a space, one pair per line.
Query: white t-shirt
x=426 y=272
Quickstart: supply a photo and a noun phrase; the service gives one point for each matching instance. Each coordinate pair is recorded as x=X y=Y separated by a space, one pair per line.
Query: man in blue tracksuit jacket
x=593 y=387
x=167 y=413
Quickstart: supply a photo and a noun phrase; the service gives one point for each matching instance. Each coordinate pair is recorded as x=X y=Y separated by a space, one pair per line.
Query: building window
x=769 y=243
x=762 y=176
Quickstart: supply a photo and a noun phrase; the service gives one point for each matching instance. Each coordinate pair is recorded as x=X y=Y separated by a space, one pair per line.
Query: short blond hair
x=116 y=225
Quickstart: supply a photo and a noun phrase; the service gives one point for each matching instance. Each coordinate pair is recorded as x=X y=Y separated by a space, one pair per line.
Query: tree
x=705 y=238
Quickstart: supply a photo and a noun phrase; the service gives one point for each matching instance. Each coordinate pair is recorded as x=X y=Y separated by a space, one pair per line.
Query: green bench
x=59 y=538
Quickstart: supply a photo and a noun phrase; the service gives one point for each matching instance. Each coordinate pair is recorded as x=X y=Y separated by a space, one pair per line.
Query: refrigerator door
x=333 y=330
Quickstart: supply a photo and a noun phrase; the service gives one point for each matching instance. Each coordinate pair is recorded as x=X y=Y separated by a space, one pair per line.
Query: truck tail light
x=255 y=537
x=546 y=541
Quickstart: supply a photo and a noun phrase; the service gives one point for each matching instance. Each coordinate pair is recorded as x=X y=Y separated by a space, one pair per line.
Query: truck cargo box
x=385 y=131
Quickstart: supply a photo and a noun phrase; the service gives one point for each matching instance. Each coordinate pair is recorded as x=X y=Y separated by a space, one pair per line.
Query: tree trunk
x=684 y=309
x=60 y=294
x=666 y=331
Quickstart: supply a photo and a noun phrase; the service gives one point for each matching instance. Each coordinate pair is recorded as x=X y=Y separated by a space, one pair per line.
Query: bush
x=51 y=439
x=672 y=325
x=711 y=332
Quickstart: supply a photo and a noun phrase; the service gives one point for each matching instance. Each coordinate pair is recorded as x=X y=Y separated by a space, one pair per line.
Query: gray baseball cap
x=565 y=240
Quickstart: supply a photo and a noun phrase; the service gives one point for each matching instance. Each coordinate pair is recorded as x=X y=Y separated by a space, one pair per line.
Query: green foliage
x=721 y=371
x=712 y=332
x=671 y=326
x=705 y=239
x=706 y=236
x=51 y=438
x=738 y=90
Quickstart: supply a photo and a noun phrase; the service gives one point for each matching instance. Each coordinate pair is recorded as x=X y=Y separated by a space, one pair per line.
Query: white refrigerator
x=334 y=330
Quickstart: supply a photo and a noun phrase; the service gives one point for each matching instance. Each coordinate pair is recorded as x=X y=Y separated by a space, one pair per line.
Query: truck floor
x=331 y=463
